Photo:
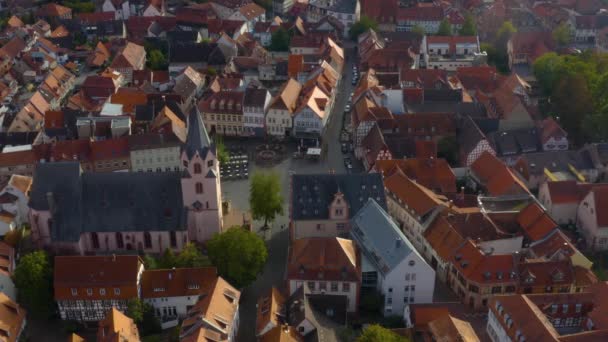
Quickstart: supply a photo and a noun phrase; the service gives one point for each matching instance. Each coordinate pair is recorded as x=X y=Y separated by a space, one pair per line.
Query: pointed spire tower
x=197 y=139
x=201 y=187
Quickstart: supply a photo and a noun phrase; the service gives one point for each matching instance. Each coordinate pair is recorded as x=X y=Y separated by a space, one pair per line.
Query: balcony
x=168 y=322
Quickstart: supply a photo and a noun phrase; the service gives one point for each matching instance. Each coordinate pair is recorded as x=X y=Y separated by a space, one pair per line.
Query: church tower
x=201 y=188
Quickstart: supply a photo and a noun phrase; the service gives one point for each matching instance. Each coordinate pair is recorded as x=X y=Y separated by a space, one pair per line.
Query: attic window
x=159 y=289
x=193 y=286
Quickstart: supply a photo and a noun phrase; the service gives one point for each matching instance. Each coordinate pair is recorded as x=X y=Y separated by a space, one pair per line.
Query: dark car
x=344 y=148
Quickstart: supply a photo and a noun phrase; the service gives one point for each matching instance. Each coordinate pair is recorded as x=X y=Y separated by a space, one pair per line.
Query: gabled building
x=88 y=287
x=116 y=326
x=255 y=104
x=390 y=258
x=592 y=219
x=279 y=118
x=172 y=292
x=327 y=265
x=131 y=57
x=496 y=178
x=322 y=205
x=215 y=315
x=223 y=112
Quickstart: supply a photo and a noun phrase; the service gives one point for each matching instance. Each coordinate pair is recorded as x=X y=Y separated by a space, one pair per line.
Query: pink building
x=76 y=212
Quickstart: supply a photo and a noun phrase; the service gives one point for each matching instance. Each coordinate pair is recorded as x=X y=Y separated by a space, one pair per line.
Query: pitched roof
x=482 y=268
x=535 y=222
x=251 y=11
x=433 y=173
x=15 y=22
x=130 y=56
x=443 y=238
x=418 y=198
x=117 y=327
x=288 y=96
x=96 y=272
x=496 y=177
x=313 y=194
x=450 y=329
x=270 y=310
x=215 y=311
x=600 y=196
x=379 y=238
x=53 y=10
x=12 y=318
x=177 y=282
x=567 y=191
x=526 y=317
x=549 y=128
x=197 y=139
x=323 y=258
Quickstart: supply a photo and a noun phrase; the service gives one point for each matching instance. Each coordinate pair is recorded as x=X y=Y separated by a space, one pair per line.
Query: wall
x=351 y=294
x=320 y=228
x=495 y=330
x=278 y=122
x=161 y=240
x=424 y=284
x=90 y=310
x=180 y=304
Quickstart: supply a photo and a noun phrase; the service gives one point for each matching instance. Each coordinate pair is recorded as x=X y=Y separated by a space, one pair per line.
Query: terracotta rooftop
x=483 y=268
x=270 y=310
x=432 y=173
x=335 y=258
x=497 y=178
x=450 y=329
x=418 y=198
x=535 y=222
x=12 y=317
x=177 y=282
x=116 y=326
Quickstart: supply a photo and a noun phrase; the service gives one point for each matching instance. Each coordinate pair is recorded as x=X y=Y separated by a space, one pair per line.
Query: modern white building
x=390 y=263
x=155 y=152
x=453 y=52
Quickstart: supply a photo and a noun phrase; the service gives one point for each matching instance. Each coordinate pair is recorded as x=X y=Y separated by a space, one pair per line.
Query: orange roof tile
x=424 y=315
x=496 y=177
x=527 y=318
x=281 y=334
x=432 y=173
x=450 y=329
x=129 y=98
x=269 y=309
x=75 y=338
x=307 y=257
x=178 y=282
x=419 y=199
x=117 y=327
x=12 y=317
x=535 y=222
x=478 y=267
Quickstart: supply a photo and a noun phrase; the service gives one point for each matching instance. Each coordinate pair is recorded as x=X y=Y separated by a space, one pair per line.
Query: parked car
x=344 y=148
x=347 y=109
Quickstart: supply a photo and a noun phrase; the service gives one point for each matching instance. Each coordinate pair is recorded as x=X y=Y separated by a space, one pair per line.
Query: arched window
x=199 y=188
x=197 y=168
x=119 y=242
x=147 y=240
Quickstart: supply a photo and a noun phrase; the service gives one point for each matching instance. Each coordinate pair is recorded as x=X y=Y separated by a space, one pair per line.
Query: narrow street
x=278 y=239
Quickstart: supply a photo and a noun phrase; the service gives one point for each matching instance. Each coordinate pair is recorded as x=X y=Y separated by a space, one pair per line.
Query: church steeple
x=197 y=139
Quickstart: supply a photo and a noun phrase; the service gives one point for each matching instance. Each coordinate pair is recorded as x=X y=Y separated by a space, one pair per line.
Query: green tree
x=33 y=277
x=80 y=6
x=547 y=70
x=419 y=29
x=191 y=256
x=238 y=254
x=168 y=259
x=156 y=60
x=267 y=4
x=222 y=153
x=280 y=40
x=445 y=28
x=143 y=315
x=447 y=148
x=376 y=333
x=469 y=28
x=572 y=101
x=211 y=71
x=505 y=32
x=365 y=23
x=562 y=34
x=265 y=197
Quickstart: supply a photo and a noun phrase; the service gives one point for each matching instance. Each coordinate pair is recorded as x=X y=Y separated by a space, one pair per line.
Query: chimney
x=113 y=257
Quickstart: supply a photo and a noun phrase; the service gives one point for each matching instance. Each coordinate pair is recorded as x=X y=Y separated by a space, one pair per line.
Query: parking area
x=237 y=166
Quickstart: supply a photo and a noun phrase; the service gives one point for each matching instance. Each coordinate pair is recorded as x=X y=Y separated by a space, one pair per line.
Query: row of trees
x=469 y=28
x=577 y=90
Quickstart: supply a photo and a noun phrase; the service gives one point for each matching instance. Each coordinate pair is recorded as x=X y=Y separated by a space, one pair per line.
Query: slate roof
x=196 y=53
x=379 y=237
x=107 y=202
x=313 y=194
x=197 y=139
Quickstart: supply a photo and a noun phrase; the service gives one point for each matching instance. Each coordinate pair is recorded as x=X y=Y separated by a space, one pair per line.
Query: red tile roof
x=110 y=149
x=482 y=268
x=418 y=198
x=549 y=128
x=496 y=177
x=324 y=258
x=95 y=18
x=600 y=196
x=535 y=222
x=568 y=191
x=178 y=282
x=432 y=173
x=96 y=272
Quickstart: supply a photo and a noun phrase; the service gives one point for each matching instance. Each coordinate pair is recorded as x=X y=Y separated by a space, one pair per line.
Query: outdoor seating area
x=237 y=167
